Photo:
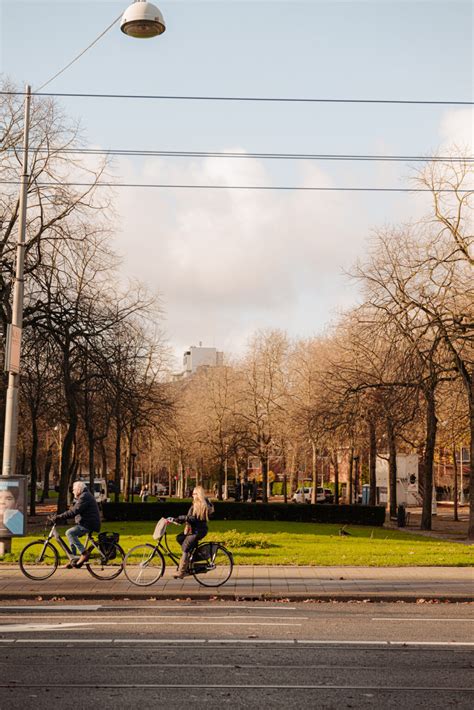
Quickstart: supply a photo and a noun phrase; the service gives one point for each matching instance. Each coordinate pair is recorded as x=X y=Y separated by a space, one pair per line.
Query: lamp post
x=141 y=20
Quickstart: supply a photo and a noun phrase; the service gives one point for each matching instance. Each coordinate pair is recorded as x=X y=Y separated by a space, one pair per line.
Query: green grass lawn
x=276 y=543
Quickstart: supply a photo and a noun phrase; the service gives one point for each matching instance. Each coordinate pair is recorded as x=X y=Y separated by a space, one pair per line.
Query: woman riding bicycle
x=195 y=528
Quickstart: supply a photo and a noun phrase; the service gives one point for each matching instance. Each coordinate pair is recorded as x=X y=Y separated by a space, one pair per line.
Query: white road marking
x=431 y=643
x=73 y=641
x=393 y=643
x=169 y=616
x=240 y=686
x=393 y=618
x=191 y=606
x=183 y=641
x=211 y=642
x=11 y=628
x=291 y=641
x=59 y=607
x=345 y=643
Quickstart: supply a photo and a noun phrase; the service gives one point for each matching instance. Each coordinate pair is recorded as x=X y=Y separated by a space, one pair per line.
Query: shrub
x=234 y=538
x=288 y=512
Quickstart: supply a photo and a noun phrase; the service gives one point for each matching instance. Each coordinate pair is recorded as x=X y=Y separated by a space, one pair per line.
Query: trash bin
x=401 y=516
x=365 y=494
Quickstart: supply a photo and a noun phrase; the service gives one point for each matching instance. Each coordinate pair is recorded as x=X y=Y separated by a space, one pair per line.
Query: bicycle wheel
x=39 y=560
x=212 y=564
x=144 y=565
x=106 y=566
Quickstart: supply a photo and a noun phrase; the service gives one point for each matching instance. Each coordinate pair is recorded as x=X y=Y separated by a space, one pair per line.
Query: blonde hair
x=200 y=507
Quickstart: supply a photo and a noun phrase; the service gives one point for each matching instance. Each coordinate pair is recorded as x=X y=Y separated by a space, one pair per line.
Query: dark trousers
x=189 y=542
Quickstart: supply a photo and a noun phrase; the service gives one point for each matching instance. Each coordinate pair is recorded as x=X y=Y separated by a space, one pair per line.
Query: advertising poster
x=12 y=506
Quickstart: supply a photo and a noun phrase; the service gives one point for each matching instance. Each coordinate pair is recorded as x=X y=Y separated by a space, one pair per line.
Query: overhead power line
x=78 y=56
x=261 y=99
x=173 y=186
x=259 y=155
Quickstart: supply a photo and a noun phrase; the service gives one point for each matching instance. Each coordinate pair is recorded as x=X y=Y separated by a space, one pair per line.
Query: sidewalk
x=257 y=583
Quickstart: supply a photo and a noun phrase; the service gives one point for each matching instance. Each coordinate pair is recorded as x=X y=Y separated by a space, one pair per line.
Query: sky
x=228 y=262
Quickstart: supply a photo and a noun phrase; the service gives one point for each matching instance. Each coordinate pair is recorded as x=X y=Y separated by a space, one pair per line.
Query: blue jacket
x=85 y=512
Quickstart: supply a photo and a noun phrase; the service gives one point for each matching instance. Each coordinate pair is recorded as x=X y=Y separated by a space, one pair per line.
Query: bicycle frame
x=53 y=533
x=164 y=548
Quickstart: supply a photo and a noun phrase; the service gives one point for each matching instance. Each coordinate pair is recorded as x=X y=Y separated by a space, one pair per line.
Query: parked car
x=100 y=490
x=304 y=495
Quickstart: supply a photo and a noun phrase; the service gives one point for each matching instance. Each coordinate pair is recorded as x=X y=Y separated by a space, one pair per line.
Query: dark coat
x=198 y=526
x=85 y=512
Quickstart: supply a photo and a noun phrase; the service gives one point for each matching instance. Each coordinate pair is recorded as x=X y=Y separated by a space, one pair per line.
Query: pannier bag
x=107 y=542
x=205 y=553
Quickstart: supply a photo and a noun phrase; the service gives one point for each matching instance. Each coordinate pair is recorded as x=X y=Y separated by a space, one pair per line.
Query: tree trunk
x=118 y=461
x=33 y=464
x=47 y=470
x=351 y=482
x=470 y=532
x=66 y=457
x=455 y=469
x=91 y=445
x=264 y=465
x=392 y=467
x=336 y=477
x=103 y=453
x=356 y=477
x=372 y=462
x=431 y=426
x=314 y=472
x=293 y=470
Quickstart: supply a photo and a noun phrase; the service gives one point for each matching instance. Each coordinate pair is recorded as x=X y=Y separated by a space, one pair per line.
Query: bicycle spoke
x=106 y=566
x=212 y=565
x=39 y=560
x=144 y=565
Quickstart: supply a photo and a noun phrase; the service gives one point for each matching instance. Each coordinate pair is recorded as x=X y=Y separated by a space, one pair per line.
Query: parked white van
x=302 y=495
x=100 y=490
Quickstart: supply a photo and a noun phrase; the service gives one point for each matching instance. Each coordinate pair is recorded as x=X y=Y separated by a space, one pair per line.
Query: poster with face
x=12 y=506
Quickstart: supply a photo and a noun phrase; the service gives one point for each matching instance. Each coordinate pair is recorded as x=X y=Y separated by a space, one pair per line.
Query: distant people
x=254 y=491
x=11 y=519
x=144 y=493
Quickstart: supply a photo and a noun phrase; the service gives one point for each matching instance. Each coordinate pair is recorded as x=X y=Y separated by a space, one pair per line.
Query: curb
x=243 y=597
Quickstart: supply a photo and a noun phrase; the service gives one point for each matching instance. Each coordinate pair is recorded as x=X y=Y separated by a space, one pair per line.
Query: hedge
x=290 y=512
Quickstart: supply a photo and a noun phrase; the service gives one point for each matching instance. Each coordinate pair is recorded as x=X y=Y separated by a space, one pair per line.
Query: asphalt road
x=237 y=655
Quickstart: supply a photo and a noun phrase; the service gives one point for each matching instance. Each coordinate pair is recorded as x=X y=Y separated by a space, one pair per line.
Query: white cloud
x=457 y=128
x=229 y=261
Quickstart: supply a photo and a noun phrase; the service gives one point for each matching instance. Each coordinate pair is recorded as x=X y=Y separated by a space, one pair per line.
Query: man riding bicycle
x=86 y=513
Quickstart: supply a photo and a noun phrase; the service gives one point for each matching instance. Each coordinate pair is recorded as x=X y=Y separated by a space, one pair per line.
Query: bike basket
x=107 y=542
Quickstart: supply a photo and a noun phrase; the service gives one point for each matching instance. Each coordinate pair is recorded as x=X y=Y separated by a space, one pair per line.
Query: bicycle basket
x=107 y=542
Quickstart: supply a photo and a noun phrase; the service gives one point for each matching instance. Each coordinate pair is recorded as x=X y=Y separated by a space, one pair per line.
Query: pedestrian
x=144 y=493
x=85 y=512
x=195 y=528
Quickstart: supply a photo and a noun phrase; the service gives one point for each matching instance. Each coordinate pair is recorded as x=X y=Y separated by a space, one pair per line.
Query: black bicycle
x=211 y=564
x=39 y=560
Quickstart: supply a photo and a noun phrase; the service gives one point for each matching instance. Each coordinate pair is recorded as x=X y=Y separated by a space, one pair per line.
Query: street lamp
x=141 y=19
